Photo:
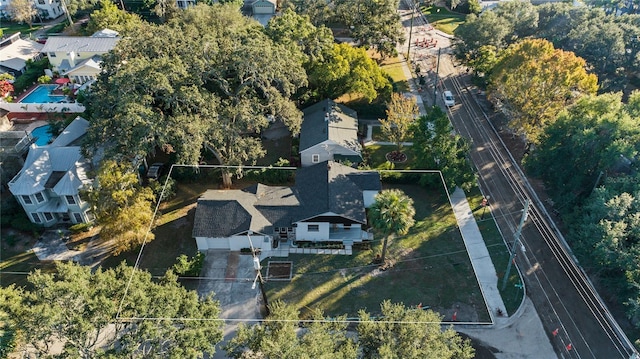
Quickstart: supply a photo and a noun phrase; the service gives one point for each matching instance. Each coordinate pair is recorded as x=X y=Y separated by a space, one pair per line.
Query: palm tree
x=391 y=213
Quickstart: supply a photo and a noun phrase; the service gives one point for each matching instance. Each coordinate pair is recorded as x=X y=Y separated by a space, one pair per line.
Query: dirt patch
x=279 y=270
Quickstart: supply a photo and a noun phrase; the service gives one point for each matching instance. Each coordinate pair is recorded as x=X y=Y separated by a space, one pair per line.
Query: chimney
x=72 y=59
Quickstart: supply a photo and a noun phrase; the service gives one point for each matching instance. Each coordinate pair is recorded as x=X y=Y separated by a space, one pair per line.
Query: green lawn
x=9 y=28
x=512 y=294
x=393 y=67
x=375 y=155
x=432 y=268
x=443 y=19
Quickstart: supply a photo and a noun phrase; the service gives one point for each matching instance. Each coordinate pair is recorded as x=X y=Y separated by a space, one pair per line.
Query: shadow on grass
x=431 y=267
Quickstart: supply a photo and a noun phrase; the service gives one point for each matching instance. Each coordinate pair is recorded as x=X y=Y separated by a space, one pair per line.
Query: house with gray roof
x=326 y=204
x=329 y=132
x=78 y=57
x=47 y=186
x=15 y=52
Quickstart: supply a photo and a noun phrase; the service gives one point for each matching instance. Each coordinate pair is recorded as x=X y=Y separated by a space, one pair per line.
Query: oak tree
x=119 y=312
x=532 y=81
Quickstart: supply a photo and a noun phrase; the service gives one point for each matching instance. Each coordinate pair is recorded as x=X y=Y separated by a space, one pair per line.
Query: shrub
x=189 y=267
x=271 y=176
x=156 y=187
x=22 y=223
x=35 y=69
x=44 y=79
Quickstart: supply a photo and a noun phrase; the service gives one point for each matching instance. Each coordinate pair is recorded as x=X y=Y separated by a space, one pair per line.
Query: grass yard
x=375 y=156
x=443 y=19
x=9 y=28
x=512 y=294
x=18 y=259
x=431 y=267
x=173 y=231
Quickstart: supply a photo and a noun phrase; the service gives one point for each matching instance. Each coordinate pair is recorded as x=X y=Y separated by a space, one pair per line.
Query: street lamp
x=525 y=215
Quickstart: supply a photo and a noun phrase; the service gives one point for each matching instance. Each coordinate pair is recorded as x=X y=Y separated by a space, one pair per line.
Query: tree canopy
x=214 y=85
x=607 y=42
x=533 y=81
x=391 y=213
x=78 y=307
x=22 y=11
x=374 y=24
x=108 y=16
x=402 y=112
x=349 y=70
x=409 y=333
x=436 y=147
x=122 y=207
x=400 y=332
x=278 y=337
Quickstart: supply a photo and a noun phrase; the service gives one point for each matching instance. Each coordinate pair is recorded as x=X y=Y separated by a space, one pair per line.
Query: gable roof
x=80 y=44
x=320 y=189
x=328 y=120
x=15 y=55
x=94 y=62
x=57 y=166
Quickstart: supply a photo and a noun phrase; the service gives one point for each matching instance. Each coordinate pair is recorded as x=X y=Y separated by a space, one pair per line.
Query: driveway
x=230 y=275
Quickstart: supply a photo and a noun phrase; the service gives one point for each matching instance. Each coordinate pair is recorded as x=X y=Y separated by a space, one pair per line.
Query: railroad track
x=560 y=290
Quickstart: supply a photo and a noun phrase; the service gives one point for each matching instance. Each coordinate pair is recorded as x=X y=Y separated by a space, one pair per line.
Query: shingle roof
x=80 y=44
x=328 y=120
x=322 y=188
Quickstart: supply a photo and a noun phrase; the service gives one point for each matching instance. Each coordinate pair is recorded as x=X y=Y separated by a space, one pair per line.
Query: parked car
x=155 y=170
x=447 y=96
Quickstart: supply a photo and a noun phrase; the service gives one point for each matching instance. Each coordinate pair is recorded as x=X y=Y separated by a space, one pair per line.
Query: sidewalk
x=520 y=335
x=479 y=255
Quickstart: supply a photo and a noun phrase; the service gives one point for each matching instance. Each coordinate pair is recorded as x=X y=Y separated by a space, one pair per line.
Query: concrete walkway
x=479 y=254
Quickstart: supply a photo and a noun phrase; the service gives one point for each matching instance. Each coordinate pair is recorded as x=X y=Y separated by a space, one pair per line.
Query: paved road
x=558 y=288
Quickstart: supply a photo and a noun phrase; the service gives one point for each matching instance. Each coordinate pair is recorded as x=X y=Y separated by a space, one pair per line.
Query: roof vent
x=326 y=117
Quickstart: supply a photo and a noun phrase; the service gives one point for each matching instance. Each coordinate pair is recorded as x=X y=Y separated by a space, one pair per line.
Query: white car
x=447 y=96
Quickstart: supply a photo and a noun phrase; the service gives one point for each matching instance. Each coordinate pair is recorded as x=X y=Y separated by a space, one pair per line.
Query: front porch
x=286 y=247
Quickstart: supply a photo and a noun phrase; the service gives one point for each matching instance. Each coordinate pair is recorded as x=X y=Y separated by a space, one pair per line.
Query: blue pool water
x=42 y=95
x=42 y=135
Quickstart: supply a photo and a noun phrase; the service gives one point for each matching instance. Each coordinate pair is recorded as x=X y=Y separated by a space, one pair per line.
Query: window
x=48 y=216
x=77 y=217
x=36 y=218
x=41 y=2
x=315 y=158
x=26 y=199
x=347 y=226
x=51 y=54
x=39 y=197
x=313 y=228
x=70 y=199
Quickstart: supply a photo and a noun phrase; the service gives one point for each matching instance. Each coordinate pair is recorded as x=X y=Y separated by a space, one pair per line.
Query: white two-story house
x=48 y=185
x=78 y=57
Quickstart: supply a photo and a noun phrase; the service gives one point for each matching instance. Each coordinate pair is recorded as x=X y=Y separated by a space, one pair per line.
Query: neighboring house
x=78 y=57
x=49 y=9
x=327 y=203
x=261 y=10
x=47 y=186
x=15 y=52
x=329 y=133
x=183 y=4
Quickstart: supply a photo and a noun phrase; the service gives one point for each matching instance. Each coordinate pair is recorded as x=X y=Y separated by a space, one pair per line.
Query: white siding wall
x=234 y=243
x=303 y=234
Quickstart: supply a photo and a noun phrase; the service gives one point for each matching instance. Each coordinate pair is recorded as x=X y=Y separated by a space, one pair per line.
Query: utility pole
x=66 y=11
x=413 y=11
x=258 y=269
x=435 y=85
x=525 y=214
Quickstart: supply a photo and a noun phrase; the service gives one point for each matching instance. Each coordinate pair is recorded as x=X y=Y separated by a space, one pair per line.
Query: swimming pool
x=42 y=94
x=42 y=135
